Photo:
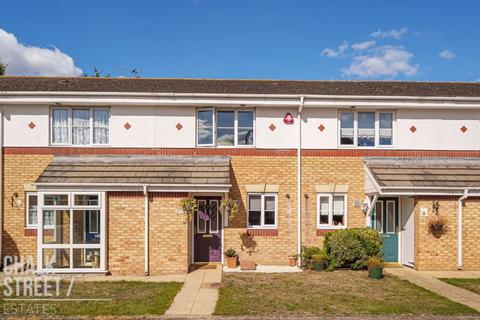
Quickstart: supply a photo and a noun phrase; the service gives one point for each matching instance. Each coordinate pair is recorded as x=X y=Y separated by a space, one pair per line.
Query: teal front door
x=385 y=220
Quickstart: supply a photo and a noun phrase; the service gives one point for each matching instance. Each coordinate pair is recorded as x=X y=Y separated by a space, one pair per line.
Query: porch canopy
x=129 y=173
x=422 y=176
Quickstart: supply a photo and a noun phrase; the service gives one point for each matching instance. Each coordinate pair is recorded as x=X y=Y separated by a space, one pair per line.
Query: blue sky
x=245 y=39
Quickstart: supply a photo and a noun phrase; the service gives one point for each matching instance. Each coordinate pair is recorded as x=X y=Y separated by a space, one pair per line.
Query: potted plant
x=189 y=206
x=437 y=225
x=229 y=207
x=292 y=260
x=375 y=267
x=231 y=257
x=319 y=261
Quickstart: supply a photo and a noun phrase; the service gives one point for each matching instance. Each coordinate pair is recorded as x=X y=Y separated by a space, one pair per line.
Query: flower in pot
x=438 y=225
x=231 y=257
x=375 y=267
x=319 y=261
x=292 y=260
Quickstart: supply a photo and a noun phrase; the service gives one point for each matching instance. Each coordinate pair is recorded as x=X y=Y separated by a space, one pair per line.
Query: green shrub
x=307 y=254
x=351 y=248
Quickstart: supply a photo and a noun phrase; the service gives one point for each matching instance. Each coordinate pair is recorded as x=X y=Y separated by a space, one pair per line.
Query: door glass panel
x=214 y=216
x=379 y=216
x=390 y=216
x=202 y=216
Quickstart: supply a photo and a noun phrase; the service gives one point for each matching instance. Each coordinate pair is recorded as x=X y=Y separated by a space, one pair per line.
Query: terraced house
x=94 y=170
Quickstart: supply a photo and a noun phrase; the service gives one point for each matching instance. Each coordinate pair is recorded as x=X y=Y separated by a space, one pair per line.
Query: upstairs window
x=366 y=128
x=225 y=128
x=80 y=126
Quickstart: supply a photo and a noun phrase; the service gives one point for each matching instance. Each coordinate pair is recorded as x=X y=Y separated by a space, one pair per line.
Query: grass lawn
x=127 y=298
x=469 y=284
x=328 y=293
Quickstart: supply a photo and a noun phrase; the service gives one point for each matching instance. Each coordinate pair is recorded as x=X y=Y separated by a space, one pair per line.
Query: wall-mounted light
x=15 y=200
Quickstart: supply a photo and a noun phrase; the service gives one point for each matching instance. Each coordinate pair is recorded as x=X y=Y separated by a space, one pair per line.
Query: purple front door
x=208 y=231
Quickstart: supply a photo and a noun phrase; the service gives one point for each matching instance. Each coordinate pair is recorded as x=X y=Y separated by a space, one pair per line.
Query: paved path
x=429 y=282
x=199 y=293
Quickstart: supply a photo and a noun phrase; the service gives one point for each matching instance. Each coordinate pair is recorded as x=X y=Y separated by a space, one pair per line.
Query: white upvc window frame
x=330 y=210
x=236 y=127
x=70 y=126
x=29 y=225
x=70 y=246
x=262 y=211
x=377 y=129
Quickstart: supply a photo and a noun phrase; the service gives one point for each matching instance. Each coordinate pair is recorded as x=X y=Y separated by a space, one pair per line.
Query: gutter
x=145 y=193
x=299 y=183
x=280 y=100
x=460 y=229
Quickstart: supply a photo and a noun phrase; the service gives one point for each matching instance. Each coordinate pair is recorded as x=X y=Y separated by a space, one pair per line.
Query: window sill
x=80 y=146
x=263 y=232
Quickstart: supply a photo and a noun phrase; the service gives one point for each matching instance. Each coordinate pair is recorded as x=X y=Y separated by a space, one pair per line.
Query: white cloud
x=384 y=61
x=446 y=55
x=395 y=34
x=332 y=53
x=358 y=46
x=29 y=60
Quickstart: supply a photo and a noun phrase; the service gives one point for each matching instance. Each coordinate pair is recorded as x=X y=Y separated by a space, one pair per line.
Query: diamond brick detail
x=463 y=129
x=127 y=126
x=179 y=126
x=321 y=127
x=272 y=127
x=413 y=129
x=31 y=125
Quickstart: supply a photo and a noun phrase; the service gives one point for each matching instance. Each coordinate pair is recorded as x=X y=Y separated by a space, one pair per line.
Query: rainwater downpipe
x=460 y=227
x=299 y=183
x=145 y=194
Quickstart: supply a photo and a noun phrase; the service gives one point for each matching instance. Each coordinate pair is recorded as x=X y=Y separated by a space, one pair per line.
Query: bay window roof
x=430 y=175
x=182 y=173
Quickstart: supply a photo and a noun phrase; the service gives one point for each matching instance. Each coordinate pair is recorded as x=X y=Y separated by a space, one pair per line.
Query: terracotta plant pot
x=231 y=262
x=292 y=262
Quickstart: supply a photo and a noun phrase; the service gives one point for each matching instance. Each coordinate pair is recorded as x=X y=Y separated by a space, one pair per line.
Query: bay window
x=79 y=126
x=366 y=129
x=225 y=128
x=262 y=210
x=331 y=210
x=71 y=232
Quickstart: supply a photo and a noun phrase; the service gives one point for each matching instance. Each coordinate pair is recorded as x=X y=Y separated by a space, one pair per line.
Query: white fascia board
x=131 y=187
x=124 y=98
